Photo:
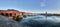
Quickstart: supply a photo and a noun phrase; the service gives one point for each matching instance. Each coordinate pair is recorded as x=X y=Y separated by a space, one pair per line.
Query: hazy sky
x=32 y=5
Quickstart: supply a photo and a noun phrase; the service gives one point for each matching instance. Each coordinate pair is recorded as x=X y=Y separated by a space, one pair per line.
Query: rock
x=6 y=22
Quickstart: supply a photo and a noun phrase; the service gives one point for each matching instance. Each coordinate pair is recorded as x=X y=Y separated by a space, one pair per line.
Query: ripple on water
x=41 y=21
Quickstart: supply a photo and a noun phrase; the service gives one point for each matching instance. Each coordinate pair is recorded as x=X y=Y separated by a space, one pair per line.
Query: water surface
x=41 y=21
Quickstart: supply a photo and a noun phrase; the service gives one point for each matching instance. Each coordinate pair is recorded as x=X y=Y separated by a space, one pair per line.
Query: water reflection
x=41 y=21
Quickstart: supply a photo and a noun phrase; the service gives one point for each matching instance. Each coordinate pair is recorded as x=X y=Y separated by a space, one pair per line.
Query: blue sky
x=31 y=5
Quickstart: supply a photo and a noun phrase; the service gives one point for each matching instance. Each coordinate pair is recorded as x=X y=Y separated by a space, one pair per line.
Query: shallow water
x=41 y=21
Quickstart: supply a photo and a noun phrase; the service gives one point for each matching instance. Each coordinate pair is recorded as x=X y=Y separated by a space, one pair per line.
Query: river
x=41 y=21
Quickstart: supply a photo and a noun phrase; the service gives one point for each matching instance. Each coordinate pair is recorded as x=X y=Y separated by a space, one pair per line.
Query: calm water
x=41 y=21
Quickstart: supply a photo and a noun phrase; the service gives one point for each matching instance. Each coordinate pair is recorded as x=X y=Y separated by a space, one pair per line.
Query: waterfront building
x=10 y=12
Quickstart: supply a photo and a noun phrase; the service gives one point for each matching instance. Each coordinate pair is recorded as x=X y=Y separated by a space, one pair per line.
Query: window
x=2 y=13
x=10 y=14
x=6 y=14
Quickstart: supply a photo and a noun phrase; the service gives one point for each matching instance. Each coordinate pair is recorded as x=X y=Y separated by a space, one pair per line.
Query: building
x=10 y=12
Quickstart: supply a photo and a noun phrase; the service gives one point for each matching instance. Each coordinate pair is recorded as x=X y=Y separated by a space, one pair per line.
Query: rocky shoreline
x=6 y=22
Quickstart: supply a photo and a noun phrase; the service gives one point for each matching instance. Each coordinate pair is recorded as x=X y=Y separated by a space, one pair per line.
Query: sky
x=52 y=6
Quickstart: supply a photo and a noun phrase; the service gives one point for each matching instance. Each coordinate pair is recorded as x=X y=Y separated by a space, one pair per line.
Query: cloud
x=43 y=3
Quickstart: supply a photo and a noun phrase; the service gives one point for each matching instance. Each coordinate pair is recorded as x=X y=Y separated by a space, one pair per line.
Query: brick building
x=10 y=12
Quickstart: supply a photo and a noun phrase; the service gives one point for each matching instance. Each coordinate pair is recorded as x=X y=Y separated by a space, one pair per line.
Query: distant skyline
x=52 y=6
